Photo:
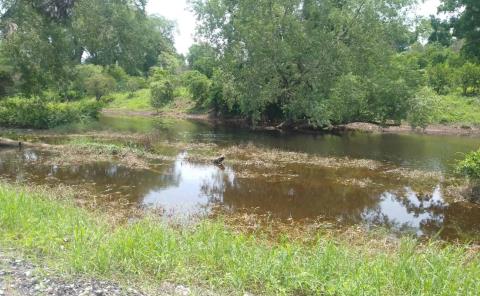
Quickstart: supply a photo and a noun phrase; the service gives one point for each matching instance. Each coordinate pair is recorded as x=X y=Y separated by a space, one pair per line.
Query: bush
x=468 y=76
x=99 y=85
x=440 y=78
x=470 y=166
x=35 y=113
x=422 y=107
x=199 y=86
x=161 y=94
x=133 y=84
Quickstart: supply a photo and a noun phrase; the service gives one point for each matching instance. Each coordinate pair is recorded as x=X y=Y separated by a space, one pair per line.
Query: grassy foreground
x=77 y=241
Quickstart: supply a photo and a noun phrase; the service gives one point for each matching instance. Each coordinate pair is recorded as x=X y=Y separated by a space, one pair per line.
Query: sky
x=177 y=10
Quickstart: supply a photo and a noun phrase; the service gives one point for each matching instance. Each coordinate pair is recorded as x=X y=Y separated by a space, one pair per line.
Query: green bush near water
x=470 y=166
x=209 y=254
x=36 y=113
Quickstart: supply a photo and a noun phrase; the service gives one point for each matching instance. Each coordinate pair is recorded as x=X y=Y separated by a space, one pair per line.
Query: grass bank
x=457 y=109
x=76 y=241
x=139 y=103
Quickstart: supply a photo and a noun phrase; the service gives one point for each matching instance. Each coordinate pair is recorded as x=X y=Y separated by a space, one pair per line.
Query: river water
x=362 y=196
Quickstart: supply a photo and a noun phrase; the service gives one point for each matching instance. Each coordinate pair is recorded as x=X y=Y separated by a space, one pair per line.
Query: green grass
x=457 y=109
x=211 y=255
x=140 y=101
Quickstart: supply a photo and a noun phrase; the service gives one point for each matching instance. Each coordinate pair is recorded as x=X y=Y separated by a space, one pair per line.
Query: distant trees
x=42 y=41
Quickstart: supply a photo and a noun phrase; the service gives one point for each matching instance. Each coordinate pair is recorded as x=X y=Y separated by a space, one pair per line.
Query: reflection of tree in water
x=312 y=193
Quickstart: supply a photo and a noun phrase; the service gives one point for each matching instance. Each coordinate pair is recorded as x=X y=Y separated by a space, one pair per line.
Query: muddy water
x=295 y=191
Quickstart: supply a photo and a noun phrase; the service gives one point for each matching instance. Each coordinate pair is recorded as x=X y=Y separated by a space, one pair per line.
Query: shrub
x=422 y=107
x=133 y=84
x=35 y=113
x=468 y=76
x=99 y=85
x=440 y=78
x=470 y=166
x=199 y=86
x=161 y=94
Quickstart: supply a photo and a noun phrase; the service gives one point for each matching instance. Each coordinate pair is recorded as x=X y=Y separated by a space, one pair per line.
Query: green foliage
x=199 y=86
x=348 y=101
x=35 y=113
x=161 y=94
x=133 y=84
x=170 y=63
x=466 y=23
x=210 y=254
x=440 y=77
x=99 y=85
x=470 y=166
x=422 y=108
x=202 y=58
x=284 y=58
x=469 y=77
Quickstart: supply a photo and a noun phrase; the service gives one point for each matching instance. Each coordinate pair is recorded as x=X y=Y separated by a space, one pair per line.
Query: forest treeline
x=294 y=61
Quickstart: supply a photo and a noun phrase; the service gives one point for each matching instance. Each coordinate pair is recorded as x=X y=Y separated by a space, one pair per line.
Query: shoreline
x=433 y=129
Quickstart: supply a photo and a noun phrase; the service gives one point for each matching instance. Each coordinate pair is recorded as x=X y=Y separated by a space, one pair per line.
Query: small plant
x=161 y=94
x=470 y=166
x=422 y=107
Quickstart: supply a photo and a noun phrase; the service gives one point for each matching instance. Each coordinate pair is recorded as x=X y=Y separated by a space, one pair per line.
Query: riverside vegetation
x=210 y=254
x=279 y=63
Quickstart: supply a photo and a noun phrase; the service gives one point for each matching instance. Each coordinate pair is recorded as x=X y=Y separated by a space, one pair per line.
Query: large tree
x=465 y=23
x=43 y=39
x=285 y=57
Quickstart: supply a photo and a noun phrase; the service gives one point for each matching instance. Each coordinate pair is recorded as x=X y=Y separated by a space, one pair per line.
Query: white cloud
x=176 y=10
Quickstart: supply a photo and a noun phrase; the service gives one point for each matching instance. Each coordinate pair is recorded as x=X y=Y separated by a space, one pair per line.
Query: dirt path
x=19 y=277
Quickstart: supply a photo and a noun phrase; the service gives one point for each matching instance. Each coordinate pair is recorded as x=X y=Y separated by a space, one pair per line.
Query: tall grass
x=210 y=254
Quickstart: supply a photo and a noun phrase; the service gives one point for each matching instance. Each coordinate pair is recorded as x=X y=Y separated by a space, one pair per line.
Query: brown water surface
x=363 y=195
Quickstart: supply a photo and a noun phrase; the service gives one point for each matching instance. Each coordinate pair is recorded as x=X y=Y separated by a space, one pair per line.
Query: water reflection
x=193 y=189
x=182 y=189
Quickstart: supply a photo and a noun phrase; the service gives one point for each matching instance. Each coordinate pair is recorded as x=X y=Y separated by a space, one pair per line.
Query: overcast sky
x=177 y=10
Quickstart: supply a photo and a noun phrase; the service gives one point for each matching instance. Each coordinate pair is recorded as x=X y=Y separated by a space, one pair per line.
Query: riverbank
x=454 y=115
x=76 y=242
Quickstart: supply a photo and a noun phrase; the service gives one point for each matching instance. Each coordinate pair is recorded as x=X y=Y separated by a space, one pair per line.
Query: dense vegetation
x=53 y=53
x=212 y=255
x=292 y=61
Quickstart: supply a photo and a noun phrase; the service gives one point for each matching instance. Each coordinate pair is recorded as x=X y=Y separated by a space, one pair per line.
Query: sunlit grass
x=211 y=255
x=457 y=109
x=140 y=101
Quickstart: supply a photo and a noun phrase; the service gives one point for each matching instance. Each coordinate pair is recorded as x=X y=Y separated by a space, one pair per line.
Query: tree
x=283 y=58
x=202 y=58
x=99 y=85
x=199 y=86
x=468 y=77
x=161 y=94
x=441 y=32
x=440 y=77
x=465 y=23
